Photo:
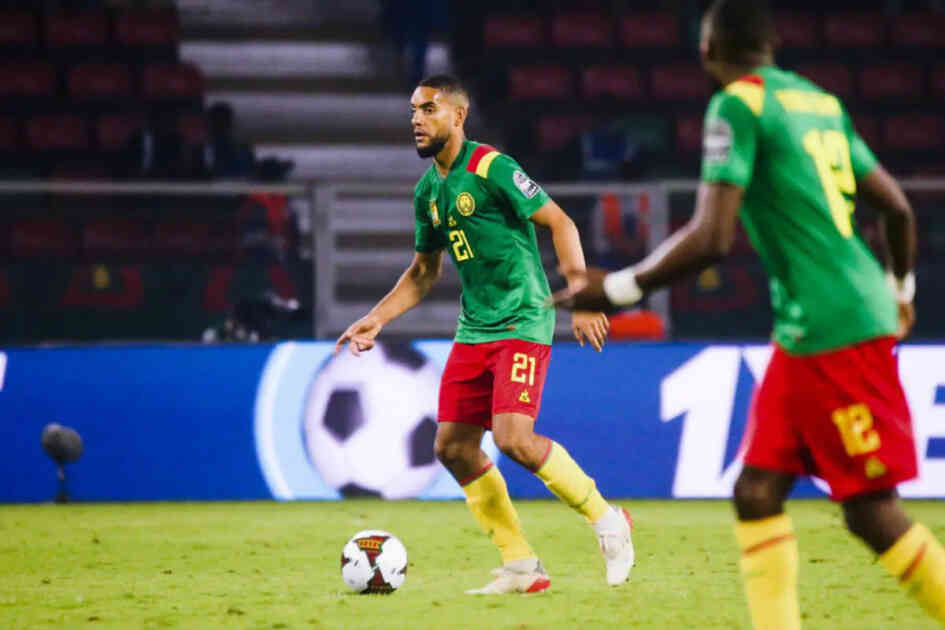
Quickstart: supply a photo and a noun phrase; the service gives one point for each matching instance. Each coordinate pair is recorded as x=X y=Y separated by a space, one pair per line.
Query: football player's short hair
x=741 y=28
x=447 y=84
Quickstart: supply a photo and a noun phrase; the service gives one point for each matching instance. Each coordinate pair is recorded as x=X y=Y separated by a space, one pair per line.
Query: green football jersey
x=792 y=147
x=480 y=213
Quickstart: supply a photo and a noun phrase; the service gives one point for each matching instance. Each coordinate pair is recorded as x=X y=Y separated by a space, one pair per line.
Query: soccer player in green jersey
x=479 y=206
x=782 y=153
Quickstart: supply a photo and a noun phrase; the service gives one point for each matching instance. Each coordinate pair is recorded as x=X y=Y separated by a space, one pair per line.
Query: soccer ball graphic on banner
x=370 y=422
x=374 y=561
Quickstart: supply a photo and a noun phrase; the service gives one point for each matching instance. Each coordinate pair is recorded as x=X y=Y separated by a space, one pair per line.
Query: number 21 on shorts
x=523 y=368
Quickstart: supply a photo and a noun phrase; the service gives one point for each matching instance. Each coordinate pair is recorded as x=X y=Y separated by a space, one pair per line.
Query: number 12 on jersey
x=461 y=248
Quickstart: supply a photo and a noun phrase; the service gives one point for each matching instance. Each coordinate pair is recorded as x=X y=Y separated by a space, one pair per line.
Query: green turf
x=276 y=565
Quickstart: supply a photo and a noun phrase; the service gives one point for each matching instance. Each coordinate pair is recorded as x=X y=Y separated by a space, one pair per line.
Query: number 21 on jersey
x=831 y=154
x=461 y=248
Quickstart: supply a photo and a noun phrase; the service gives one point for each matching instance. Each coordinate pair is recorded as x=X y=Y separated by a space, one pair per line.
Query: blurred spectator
x=410 y=23
x=223 y=154
x=157 y=150
x=253 y=319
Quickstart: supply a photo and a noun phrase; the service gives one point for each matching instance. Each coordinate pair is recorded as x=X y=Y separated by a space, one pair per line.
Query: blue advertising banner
x=289 y=421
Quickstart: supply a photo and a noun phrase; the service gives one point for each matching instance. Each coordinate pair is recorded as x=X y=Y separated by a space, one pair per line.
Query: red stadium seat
x=17 y=29
x=833 y=77
x=689 y=133
x=172 y=82
x=35 y=80
x=868 y=128
x=937 y=82
x=61 y=132
x=623 y=83
x=9 y=135
x=43 y=238
x=925 y=29
x=514 y=31
x=192 y=128
x=528 y=83
x=866 y=30
x=584 y=29
x=88 y=28
x=182 y=237
x=798 y=30
x=649 y=29
x=147 y=27
x=679 y=81
x=115 y=237
x=891 y=81
x=915 y=132
x=555 y=132
x=99 y=82
x=114 y=131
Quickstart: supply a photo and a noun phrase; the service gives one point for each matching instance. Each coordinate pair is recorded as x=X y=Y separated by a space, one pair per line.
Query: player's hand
x=592 y=326
x=906 y=319
x=585 y=292
x=360 y=335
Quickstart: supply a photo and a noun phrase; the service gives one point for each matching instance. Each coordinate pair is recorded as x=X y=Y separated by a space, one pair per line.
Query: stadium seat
x=900 y=82
x=689 y=133
x=529 y=83
x=27 y=80
x=192 y=127
x=172 y=82
x=18 y=32
x=649 y=29
x=101 y=286
x=868 y=127
x=100 y=82
x=622 y=83
x=113 y=131
x=926 y=30
x=43 y=238
x=582 y=29
x=833 y=77
x=81 y=169
x=679 y=81
x=76 y=30
x=58 y=132
x=108 y=238
x=937 y=82
x=148 y=33
x=514 y=31
x=915 y=132
x=860 y=30
x=798 y=30
x=9 y=135
x=176 y=238
x=555 y=131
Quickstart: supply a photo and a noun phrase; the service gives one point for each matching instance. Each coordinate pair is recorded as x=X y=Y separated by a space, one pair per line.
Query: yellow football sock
x=569 y=483
x=769 y=571
x=918 y=561
x=488 y=499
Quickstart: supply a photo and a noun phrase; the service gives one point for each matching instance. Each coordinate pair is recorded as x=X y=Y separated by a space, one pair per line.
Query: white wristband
x=903 y=288
x=621 y=287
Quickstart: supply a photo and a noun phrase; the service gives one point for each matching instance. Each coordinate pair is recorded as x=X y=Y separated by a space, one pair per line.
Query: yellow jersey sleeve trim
x=482 y=169
x=751 y=94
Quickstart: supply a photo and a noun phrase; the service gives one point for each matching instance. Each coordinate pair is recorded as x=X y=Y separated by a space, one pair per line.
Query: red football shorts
x=839 y=415
x=483 y=379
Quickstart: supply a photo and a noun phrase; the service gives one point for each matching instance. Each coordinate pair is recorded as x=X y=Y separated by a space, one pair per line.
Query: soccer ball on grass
x=374 y=561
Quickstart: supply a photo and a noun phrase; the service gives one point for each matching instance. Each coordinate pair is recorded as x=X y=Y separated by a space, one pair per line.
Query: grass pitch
x=276 y=565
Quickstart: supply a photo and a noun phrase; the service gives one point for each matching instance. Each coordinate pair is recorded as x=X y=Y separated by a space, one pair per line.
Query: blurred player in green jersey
x=782 y=153
x=481 y=207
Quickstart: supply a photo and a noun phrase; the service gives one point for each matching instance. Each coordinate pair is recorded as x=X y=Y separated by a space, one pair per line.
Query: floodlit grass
x=276 y=565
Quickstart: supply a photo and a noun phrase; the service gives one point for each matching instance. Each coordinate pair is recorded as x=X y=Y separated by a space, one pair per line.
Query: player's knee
x=513 y=444
x=755 y=498
x=450 y=452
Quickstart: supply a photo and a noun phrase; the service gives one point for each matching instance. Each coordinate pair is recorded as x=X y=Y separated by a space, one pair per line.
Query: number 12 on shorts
x=523 y=368
x=855 y=424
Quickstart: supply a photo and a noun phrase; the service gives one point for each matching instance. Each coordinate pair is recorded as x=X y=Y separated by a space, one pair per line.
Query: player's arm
x=410 y=289
x=567 y=244
x=897 y=221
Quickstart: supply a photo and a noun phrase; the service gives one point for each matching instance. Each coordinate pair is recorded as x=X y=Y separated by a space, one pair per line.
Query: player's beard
x=436 y=145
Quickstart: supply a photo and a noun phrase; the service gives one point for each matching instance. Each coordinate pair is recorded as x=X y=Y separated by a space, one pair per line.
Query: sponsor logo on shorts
x=465 y=204
x=717 y=142
x=525 y=184
x=524 y=398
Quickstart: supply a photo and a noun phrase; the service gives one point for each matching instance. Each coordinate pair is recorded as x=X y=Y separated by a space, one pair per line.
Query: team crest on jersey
x=717 y=142
x=434 y=213
x=465 y=204
x=525 y=184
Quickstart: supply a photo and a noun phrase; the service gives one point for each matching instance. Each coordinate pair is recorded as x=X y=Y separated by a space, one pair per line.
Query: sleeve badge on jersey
x=718 y=140
x=465 y=204
x=525 y=185
x=434 y=214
